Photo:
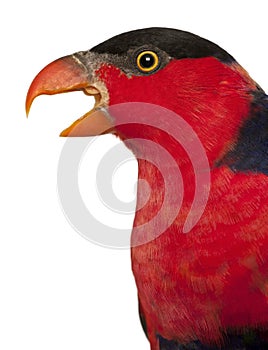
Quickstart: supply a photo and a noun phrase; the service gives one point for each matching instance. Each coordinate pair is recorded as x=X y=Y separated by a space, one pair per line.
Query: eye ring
x=147 y=61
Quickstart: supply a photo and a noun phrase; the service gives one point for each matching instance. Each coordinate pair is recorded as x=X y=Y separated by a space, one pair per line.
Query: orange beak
x=69 y=74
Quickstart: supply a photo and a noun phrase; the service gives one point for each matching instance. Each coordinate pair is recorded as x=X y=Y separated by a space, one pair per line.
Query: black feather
x=176 y=43
x=250 y=152
x=249 y=340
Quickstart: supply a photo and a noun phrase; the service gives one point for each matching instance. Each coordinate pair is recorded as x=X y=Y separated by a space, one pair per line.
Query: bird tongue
x=64 y=75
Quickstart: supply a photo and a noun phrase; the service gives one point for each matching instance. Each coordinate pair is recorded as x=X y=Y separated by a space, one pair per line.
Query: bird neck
x=165 y=193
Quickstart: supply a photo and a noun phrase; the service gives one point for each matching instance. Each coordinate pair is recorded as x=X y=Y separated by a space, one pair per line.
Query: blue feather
x=250 y=340
x=250 y=152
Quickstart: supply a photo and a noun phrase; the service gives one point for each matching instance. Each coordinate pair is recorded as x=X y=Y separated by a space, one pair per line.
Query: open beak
x=69 y=74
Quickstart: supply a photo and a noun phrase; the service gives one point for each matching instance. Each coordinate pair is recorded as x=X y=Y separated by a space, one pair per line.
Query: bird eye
x=147 y=61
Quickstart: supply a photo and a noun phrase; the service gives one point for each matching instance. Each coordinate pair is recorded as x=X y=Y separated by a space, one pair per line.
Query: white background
x=59 y=291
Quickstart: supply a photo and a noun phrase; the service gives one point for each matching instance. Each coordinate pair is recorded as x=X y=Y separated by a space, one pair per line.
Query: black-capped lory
x=203 y=285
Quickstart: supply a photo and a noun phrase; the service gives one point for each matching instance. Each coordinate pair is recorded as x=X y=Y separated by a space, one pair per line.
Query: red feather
x=196 y=285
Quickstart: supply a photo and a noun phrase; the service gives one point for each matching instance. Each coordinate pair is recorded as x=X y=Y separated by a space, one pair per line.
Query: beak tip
x=62 y=75
x=65 y=132
x=27 y=109
x=29 y=99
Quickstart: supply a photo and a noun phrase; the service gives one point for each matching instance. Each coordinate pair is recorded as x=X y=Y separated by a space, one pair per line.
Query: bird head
x=176 y=70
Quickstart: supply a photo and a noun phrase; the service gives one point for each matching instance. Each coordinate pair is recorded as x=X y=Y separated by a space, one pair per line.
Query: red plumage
x=201 y=285
x=215 y=277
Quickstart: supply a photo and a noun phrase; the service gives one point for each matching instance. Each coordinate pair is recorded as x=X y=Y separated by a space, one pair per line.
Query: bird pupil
x=147 y=60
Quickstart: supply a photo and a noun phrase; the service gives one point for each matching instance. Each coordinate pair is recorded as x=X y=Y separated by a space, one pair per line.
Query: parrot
x=204 y=286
